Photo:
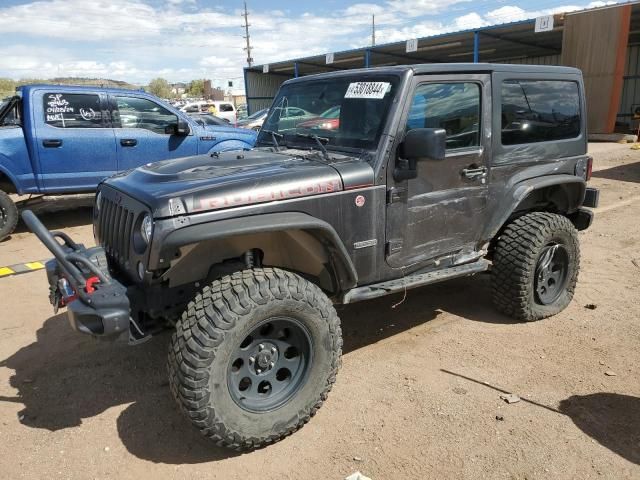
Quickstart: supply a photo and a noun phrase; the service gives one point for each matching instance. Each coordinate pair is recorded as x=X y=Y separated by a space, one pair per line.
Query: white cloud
x=136 y=41
x=416 y=8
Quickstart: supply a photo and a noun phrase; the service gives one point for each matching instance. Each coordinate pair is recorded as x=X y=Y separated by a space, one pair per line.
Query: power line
x=247 y=37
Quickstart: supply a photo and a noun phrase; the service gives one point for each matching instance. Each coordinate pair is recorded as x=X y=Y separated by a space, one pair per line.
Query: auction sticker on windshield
x=376 y=90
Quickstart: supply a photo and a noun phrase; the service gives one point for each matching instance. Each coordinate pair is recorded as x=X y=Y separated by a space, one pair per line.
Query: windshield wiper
x=320 y=141
x=274 y=137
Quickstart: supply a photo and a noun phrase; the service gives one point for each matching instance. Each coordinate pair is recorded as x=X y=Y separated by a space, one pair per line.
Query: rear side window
x=455 y=107
x=225 y=107
x=539 y=111
x=72 y=110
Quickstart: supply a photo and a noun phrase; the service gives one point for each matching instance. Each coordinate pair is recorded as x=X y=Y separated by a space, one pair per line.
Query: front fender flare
x=344 y=269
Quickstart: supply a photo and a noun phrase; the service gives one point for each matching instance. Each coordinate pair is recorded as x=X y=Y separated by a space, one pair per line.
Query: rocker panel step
x=412 y=281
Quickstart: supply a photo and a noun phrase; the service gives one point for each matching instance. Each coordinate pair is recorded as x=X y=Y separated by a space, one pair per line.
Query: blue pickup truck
x=63 y=139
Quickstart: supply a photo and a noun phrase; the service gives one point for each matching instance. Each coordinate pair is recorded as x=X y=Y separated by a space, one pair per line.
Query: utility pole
x=246 y=37
x=373 y=30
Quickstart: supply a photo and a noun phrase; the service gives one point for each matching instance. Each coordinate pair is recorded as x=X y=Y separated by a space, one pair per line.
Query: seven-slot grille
x=114 y=226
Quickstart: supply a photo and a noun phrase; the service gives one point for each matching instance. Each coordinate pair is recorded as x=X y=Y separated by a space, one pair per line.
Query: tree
x=7 y=87
x=196 y=88
x=160 y=88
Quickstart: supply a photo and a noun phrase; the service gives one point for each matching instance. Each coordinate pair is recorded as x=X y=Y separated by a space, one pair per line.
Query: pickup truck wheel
x=8 y=215
x=535 y=266
x=254 y=356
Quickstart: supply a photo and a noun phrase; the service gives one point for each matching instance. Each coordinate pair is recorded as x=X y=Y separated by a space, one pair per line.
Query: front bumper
x=79 y=279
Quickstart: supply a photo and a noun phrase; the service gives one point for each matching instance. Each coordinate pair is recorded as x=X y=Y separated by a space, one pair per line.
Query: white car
x=224 y=110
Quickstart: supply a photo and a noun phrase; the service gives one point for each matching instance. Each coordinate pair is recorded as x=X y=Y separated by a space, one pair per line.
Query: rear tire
x=254 y=356
x=8 y=215
x=535 y=266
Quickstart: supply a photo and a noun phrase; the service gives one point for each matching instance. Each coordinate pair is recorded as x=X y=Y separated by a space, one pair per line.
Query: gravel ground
x=418 y=395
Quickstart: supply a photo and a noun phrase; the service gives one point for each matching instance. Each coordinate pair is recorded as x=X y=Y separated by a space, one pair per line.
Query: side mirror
x=425 y=144
x=180 y=128
x=419 y=144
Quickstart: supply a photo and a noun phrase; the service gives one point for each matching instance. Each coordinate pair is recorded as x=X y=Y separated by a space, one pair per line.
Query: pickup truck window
x=133 y=112
x=72 y=110
x=455 y=107
x=539 y=111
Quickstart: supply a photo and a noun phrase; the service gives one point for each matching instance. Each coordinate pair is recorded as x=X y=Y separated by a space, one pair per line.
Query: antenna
x=373 y=30
x=247 y=37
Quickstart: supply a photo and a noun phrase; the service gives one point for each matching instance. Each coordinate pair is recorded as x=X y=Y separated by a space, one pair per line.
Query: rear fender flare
x=573 y=196
x=6 y=172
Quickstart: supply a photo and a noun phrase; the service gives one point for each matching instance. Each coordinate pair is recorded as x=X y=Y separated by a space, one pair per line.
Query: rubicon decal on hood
x=266 y=194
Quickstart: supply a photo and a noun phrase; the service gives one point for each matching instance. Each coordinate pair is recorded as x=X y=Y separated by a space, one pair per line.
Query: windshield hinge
x=396 y=194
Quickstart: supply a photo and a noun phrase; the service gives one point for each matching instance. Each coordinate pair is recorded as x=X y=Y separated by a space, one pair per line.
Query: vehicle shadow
x=64 y=378
x=625 y=173
x=611 y=419
x=61 y=220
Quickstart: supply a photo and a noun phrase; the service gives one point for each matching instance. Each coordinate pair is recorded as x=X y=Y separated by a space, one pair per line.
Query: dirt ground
x=418 y=395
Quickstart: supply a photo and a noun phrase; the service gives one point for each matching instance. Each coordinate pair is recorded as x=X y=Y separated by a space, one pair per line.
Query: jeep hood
x=236 y=178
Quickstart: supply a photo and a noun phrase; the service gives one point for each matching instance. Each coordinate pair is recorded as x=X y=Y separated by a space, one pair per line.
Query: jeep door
x=438 y=216
x=74 y=140
x=142 y=130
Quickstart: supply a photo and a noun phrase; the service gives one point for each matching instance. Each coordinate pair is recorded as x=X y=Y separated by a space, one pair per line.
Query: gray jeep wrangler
x=363 y=183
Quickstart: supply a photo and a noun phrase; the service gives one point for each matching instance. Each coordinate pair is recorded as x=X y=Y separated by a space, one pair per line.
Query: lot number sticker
x=375 y=90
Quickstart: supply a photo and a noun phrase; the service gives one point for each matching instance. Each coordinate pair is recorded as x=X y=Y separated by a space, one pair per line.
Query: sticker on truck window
x=373 y=90
x=72 y=110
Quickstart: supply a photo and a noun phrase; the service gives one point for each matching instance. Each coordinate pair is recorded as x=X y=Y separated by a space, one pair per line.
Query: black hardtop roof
x=447 y=68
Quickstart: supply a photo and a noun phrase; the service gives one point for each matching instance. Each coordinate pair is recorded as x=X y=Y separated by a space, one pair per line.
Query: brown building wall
x=596 y=43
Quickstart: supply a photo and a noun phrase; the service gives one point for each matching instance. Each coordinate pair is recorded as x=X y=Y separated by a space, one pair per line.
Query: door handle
x=473 y=173
x=52 y=143
x=128 y=142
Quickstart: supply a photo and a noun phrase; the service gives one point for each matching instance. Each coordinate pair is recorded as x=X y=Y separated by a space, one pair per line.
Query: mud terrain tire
x=228 y=322
x=8 y=215
x=535 y=266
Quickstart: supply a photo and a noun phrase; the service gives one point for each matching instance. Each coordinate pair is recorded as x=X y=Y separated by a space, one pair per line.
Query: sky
x=137 y=40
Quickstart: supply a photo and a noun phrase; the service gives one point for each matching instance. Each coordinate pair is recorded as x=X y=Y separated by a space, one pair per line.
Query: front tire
x=8 y=215
x=535 y=266
x=254 y=356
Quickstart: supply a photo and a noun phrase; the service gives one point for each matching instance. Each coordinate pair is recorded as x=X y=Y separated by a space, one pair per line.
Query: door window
x=226 y=107
x=455 y=107
x=133 y=112
x=539 y=111
x=72 y=110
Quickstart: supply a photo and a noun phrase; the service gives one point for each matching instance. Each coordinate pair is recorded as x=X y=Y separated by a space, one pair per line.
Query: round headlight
x=146 y=228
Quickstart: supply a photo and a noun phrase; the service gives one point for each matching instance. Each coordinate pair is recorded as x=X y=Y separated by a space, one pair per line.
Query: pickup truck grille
x=114 y=225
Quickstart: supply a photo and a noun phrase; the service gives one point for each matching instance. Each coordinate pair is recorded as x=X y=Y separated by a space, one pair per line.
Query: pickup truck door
x=74 y=140
x=140 y=126
x=438 y=216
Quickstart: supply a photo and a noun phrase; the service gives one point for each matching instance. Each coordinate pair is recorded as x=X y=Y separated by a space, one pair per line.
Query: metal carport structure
x=618 y=59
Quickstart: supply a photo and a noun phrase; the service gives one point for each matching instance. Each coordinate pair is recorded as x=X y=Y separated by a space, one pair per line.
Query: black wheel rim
x=551 y=273
x=270 y=365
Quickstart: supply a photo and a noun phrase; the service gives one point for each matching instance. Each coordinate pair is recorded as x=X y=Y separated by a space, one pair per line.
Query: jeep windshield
x=346 y=112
